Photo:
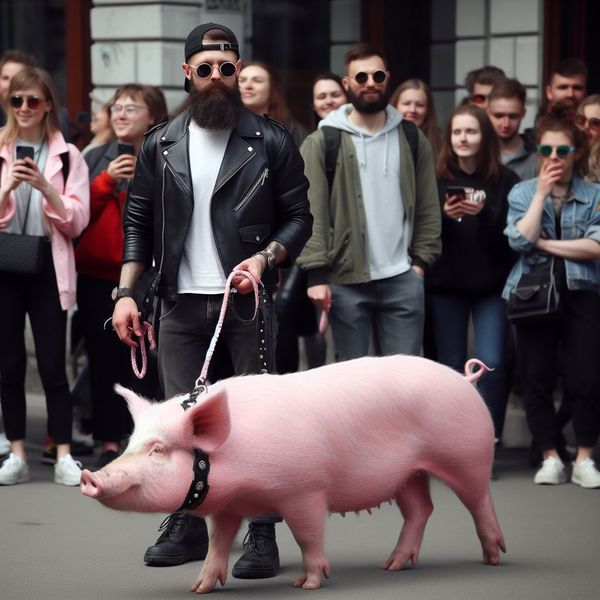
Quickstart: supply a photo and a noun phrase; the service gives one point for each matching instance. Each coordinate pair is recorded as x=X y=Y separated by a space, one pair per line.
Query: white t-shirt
x=201 y=271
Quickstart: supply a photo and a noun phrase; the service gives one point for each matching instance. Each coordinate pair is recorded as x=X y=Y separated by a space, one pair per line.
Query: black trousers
x=109 y=362
x=577 y=334
x=36 y=296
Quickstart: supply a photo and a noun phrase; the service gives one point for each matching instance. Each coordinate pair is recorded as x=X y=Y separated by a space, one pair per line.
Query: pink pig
x=344 y=437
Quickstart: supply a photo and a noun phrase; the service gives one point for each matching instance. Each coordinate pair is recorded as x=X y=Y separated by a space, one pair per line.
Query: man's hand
x=255 y=265
x=320 y=296
x=126 y=321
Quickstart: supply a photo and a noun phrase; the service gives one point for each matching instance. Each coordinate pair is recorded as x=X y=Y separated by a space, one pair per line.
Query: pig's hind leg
x=306 y=519
x=471 y=483
x=222 y=532
x=414 y=501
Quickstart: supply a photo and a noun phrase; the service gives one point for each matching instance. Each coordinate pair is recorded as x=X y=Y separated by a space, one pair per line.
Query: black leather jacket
x=260 y=195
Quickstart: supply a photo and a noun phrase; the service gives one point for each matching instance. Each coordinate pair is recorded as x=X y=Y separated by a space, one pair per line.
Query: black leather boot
x=261 y=555
x=183 y=538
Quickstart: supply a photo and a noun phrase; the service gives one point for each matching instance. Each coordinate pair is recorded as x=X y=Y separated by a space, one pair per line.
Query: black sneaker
x=49 y=452
x=106 y=457
x=261 y=555
x=184 y=538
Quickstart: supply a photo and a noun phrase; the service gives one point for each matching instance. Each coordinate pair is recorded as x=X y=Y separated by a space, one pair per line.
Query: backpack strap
x=412 y=137
x=332 y=145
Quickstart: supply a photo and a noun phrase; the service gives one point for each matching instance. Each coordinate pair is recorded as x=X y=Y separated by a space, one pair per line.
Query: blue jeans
x=393 y=309
x=451 y=313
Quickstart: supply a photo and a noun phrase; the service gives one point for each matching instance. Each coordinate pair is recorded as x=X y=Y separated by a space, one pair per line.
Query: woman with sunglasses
x=414 y=100
x=558 y=215
x=36 y=200
x=467 y=280
x=588 y=119
x=133 y=110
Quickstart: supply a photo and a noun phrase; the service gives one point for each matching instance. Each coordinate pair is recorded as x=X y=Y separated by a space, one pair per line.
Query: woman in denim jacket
x=558 y=214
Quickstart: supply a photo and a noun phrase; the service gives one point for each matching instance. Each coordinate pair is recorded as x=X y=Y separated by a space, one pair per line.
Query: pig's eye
x=157 y=450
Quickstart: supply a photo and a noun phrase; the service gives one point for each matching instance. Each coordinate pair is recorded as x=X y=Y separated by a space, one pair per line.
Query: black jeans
x=186 y=329
x=109 y=362
x=36 y=296
x=577 y=334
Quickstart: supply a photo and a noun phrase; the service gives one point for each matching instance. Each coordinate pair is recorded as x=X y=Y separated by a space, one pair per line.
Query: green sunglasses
x=561 y=151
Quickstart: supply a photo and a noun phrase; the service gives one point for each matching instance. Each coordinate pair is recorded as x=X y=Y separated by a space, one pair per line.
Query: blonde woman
x=36 y=200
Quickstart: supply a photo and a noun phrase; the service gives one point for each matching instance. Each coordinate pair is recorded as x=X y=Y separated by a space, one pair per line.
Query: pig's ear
x=209 y=421
x=137 y=405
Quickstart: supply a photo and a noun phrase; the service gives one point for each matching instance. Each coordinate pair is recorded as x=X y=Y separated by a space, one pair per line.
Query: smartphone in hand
x=454 y=190
x=24 y=152
x=125 y=148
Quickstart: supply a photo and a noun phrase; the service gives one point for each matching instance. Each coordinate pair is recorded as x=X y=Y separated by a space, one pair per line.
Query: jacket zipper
x=258 y=183
x=233 y=172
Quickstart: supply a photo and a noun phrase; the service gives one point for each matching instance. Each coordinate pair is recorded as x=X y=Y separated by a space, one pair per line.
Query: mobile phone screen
x=24 y=152
x=456 y=191
x=123 y=148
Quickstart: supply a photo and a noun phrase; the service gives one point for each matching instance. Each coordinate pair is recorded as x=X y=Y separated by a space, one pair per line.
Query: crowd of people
x=392 y=229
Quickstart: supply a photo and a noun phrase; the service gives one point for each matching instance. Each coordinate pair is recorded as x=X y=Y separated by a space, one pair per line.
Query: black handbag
x=20 y=253
x=536 y=297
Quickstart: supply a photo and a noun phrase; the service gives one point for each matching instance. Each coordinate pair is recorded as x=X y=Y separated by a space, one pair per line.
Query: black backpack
x=332 y=145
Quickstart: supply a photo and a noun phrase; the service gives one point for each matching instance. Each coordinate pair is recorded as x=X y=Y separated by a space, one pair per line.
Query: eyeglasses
x=33 y=102
x=204 y=70
x=128 y=109
x=561 y=151
x=378 y=77
x=478 y=98
x=582 y=121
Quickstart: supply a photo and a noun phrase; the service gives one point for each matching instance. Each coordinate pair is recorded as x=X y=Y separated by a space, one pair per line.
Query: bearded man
x=377 y=228
x=216 y=189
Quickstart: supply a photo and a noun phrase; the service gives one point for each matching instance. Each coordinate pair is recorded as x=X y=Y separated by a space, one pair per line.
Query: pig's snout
x=91 y=485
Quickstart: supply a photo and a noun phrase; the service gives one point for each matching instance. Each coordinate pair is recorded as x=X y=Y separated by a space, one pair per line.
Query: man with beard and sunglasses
x=377 y=224
x=216 y=189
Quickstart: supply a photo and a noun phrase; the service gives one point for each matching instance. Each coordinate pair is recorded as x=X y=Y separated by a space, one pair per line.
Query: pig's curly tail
x=473 y=376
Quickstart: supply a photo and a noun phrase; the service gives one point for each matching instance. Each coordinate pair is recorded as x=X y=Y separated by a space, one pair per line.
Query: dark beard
x=216 y=110
x=368 y=107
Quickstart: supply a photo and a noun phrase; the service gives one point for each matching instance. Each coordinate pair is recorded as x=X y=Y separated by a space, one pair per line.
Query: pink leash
x=148 y=330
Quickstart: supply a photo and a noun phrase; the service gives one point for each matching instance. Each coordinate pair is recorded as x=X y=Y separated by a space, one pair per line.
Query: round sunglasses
x=33 y=102
x=204 y=70
x=561 y=151
x=582 y=121
x=378 y=76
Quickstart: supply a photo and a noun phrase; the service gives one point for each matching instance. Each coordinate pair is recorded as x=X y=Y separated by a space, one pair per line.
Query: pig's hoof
x=311 y=580
x=206 y=582
x=398 y=560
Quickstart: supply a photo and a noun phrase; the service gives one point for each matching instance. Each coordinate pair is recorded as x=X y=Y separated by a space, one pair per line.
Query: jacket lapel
x=174 y=145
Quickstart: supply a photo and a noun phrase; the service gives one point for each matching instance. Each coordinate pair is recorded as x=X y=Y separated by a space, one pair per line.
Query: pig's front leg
x=223 y=528
x=306 y=520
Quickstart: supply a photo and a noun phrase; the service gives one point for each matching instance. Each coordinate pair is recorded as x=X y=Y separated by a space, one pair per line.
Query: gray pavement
x=56 y=544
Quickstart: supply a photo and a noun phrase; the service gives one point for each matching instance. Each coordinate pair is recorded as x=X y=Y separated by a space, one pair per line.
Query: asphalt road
x=56 y=544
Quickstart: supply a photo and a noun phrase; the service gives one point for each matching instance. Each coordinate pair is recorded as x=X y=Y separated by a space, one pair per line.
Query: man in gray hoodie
x=378 y=228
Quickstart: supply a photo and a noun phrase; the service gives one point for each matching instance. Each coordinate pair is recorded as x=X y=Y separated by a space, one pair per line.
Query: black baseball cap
x=194 y=43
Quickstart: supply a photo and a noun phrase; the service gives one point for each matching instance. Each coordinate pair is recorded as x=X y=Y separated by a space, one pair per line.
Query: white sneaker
x=4 y=445
x=14 y=470
x=585 y=474
x=552 y=472
x=67 y=471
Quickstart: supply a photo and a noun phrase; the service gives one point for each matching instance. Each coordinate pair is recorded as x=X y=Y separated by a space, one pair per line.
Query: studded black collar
x=199 y=486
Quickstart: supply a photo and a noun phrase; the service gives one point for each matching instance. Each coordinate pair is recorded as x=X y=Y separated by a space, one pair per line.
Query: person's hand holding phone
x=453 y=203
x=123 y=167
x=24 y=168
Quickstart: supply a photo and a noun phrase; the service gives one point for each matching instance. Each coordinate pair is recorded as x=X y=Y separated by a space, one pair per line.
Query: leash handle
x=147 y=329
x=201 y=381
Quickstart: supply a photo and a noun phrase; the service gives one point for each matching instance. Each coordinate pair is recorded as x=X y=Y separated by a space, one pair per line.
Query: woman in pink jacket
x=35 y=199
